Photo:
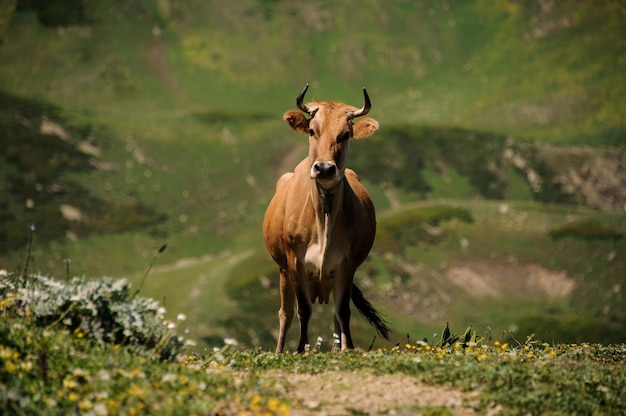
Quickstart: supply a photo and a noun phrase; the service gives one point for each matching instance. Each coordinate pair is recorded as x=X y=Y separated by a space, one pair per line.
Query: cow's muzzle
x=324 y=171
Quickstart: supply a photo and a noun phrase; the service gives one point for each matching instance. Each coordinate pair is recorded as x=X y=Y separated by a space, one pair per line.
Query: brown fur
x=318 y=253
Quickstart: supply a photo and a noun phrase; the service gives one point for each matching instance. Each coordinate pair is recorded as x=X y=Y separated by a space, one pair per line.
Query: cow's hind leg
x=336 y=336
x=285 y=314
x=342 y=315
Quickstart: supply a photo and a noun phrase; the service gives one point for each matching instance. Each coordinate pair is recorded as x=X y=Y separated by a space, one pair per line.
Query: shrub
x=101 y=309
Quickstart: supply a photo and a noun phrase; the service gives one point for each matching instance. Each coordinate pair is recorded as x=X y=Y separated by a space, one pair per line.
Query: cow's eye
x=311 y=132
x=343 y=137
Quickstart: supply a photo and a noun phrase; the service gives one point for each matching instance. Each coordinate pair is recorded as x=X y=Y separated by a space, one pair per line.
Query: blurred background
x=498 y=174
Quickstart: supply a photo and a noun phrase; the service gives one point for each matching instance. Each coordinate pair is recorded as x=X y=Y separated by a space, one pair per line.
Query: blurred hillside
x=546 y=69
x=127 y=124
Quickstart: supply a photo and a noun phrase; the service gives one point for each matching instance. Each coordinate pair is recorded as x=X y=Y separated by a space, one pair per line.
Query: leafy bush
x=103 y=310
x=55 y=13
x=585 y=230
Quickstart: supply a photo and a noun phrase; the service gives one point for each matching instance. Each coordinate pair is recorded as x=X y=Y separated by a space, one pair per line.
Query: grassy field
x=95 y=348
x=160 y=122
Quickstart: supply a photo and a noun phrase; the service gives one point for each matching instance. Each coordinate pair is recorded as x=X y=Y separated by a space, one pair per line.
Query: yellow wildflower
x=255 y=403
x=9 y=366
x=4 y=352
x=135 y=390
x=273 y=404
x=137 y=373
x=69 y=382
x=112 y=404
x=85 y=404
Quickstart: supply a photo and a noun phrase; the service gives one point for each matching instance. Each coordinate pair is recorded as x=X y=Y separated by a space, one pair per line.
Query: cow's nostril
x=325 y=168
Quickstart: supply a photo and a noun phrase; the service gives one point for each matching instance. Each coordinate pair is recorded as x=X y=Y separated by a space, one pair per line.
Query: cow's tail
x=370 y=313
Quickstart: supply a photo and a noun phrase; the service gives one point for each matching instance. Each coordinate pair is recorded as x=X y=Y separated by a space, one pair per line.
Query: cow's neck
x=327 y=202
x=327 y=196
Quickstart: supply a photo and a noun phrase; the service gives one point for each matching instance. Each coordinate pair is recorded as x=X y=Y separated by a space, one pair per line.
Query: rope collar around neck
x=328 y=196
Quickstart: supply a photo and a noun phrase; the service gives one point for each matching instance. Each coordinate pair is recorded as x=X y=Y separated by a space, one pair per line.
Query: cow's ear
x=365 y=127
x=297 y=121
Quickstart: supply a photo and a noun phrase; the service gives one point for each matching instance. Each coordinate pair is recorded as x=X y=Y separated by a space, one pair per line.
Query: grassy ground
x=53 y=360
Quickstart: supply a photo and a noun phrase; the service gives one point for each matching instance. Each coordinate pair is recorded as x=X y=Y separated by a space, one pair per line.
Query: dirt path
x=158 y=60
x=349 y=393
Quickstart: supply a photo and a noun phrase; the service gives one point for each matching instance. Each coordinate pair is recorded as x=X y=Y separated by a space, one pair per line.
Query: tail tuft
x=370 y=313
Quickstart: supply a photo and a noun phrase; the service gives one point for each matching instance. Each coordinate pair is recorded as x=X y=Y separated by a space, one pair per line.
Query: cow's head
x=329 y=127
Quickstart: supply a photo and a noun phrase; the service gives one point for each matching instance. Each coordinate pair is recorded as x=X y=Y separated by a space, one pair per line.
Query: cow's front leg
x=285 y=314
x=304 y=304
x=342 y=314
x=305 y=309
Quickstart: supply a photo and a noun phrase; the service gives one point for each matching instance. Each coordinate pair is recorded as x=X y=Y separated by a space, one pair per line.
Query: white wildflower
x=104 y=375
x=168 y=378
x=230 y=341
x=100 y=409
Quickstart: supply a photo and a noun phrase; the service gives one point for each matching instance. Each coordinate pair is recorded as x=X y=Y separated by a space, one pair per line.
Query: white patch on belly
x=315 y=264
x=313 y=261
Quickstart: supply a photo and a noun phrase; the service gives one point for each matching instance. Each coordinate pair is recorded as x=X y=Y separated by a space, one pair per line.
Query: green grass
x=49 y=365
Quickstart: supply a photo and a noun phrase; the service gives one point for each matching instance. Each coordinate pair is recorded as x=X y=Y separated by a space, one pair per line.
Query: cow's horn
x=365 y=109
x=300 y=98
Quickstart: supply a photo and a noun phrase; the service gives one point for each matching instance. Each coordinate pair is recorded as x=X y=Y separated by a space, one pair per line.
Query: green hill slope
x=546 y=69
x=127 y=124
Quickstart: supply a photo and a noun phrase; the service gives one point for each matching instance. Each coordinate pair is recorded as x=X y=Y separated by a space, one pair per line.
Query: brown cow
x=320 y=225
